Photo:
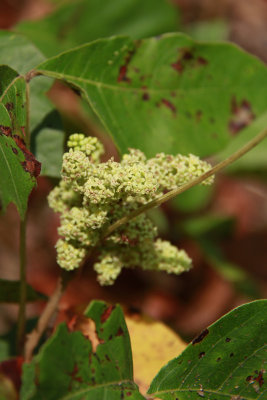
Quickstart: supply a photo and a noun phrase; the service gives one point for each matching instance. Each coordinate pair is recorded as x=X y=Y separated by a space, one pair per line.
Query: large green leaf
x=166 y=93
x=255 y=159
x=18 y=52
x=47 y=141
x=194 y=199
x=9 y=292
x=226 y=361
x=71 y=366
x=16 y=180
x=81 y=21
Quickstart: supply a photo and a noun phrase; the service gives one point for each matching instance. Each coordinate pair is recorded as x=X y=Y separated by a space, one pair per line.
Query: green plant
x=166 y=94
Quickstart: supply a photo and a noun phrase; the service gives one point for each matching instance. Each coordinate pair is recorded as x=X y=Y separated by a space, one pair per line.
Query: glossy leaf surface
x=227 y=360
x=167 y=93
x=93 y=365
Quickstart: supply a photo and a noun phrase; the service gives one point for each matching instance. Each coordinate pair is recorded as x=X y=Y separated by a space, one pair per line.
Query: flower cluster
x=93 y=195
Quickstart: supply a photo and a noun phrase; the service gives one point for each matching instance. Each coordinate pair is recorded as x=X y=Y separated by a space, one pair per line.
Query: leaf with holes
x=227 y=360
x=47 y=133
x=166 y=93
x=94 y=364
x=18 y=167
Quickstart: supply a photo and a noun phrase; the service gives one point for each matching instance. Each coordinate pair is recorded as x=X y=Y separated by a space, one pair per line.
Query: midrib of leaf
x=12 y=179
x=196 y=365
x=98 y=84
x=3 y=153
x=9 y=86
x=99 y=386
x=241 y=364
x=205 y=391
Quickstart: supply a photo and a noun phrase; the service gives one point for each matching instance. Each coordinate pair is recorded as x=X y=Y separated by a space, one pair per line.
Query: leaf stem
x=27 y=127
x=23 y=288
x=50 y=308
x=173 y=193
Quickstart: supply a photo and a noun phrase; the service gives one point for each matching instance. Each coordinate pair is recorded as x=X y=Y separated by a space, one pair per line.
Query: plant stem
x=22 y=253
x=27 y=127
x=23 y=288
x=173 y=193
x=51 y=306
x=35 y=335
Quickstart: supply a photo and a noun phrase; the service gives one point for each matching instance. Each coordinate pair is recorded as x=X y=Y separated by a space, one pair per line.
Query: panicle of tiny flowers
x=174 y=171
x=79 y=225
x=69 y=256
x=136 y=231
x=75 y=168
x=169 y=258
x=63 y=197
x=103 y=182
x=108 y=268
x=93 y=195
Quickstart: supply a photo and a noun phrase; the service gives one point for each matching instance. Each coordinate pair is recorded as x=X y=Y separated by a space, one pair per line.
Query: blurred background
x=223 y=228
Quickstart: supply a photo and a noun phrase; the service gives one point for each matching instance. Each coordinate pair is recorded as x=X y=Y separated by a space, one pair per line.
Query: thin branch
x=34 y=337
x=31 y=74
x=173 y=193
x=27 y=127
x=23 y=288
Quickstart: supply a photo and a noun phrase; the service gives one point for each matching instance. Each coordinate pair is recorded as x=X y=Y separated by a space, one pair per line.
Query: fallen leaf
x=153 y=345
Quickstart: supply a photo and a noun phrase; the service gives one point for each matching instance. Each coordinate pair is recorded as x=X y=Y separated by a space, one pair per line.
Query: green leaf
x=47 y=135
x=47 y=143
x=13 y=100
x=19 y=53
x=9 y=292
x=167 y=93
x=193 y=199
x=4 y=350
x=255 y=159
x=209 y=225
x=16 y=182
x=226 y=361
x=72 y=365
x=211 y=30
x=95 y=19
x=243 y=282
x=8 y=342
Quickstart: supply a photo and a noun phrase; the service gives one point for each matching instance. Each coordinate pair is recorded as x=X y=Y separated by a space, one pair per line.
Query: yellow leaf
x=7 y=389
x=153 y=345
